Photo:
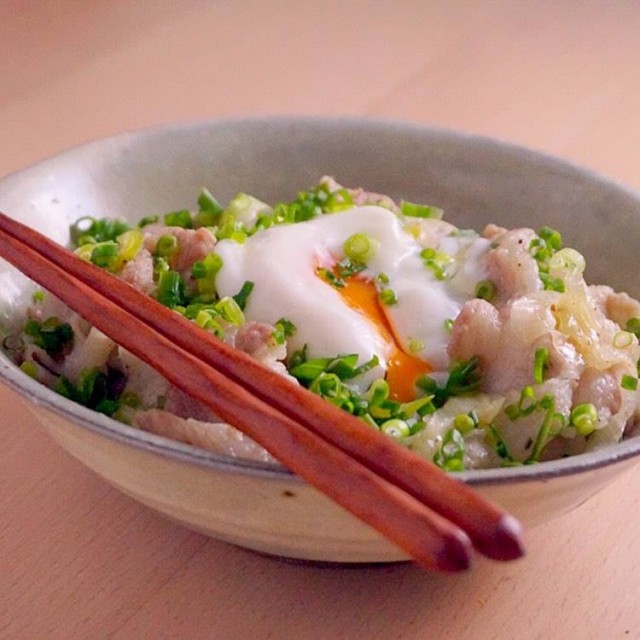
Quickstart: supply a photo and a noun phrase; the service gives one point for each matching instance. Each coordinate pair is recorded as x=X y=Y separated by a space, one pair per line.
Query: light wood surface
x=80 y=560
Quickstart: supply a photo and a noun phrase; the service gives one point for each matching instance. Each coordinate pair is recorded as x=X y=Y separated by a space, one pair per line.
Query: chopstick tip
x=454 y=555
x=505 y=541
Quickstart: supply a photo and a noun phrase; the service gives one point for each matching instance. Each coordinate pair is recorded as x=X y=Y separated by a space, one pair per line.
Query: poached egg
x=408 y=337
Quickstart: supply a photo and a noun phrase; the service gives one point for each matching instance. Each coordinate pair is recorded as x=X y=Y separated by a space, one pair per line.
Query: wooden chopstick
x=492 y=531
x=430 y=539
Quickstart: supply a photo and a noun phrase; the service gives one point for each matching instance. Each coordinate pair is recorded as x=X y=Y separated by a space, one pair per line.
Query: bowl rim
x=81 y=417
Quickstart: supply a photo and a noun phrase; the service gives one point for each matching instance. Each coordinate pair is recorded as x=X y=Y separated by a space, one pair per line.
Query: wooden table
x=79 y=560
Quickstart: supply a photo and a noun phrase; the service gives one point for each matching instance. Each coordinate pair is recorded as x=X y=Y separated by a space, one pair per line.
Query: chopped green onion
x=349 y=267
x=310 y=369
x=630 y=383
x=147 y=220
x=205 y=271
x=552 y=423
x=543 y=248
x=552 y=284
x=104 y=254
x=623 y=339
x=465 y=423
x=395 y=428
x=420 y=210
x=30 y=368
x=495 y=439
x=37 y=296
x=361 y=247
x=209 y=210
x=52 y=335
x=241 y=298
x=167 y=246
x=283 y=329
x=420 y=406
x=464 y=378
x=388 y=297
x=541 y=360
x=633 y=325
x=230 y=310
x=328 y=276
x=436 y=261
x=450 y=454
x=415 y=345
x=525 y=406
x=100 y=230
x=129 y=244
x=584 y=417
x=180 y=218
x=170 y=291
x=339 y=200
x=486 y=290
x=552 y=237
x=209 y=320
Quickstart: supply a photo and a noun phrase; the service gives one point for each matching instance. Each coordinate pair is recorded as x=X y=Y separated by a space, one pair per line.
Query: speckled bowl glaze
x=476 y=180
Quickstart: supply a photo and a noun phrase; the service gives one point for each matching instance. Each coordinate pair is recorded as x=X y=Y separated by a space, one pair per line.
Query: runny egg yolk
x=402 y=368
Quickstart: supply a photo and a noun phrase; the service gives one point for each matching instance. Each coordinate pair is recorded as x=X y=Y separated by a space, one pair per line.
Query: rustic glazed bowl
x=475 y=180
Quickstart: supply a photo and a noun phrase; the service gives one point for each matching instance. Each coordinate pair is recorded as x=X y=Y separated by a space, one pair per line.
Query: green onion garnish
x=541 y=360
x=623 y=339
x=584 y=417
x=148 y=220
x=282 y=330
x=209 y=210
x=630 y=383
x=30 y=368
x=52 y=335
x=204 y=271
x=388 y=297
x=230 y=310
x=395 y=428
x=486 y=290
x=242 y=296
x=361 y=247
x=465 y=423
x=552 y=423
x=104 y=254
x=420 y=210
x=100 y=230
x=633 y=325
x=180 y=218
x=436 y=261
x=464 y=378
x=167 y=246
x=450 y=455
x=170 y=291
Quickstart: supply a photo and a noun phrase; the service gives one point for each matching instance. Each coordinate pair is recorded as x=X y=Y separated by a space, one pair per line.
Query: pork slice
x=193 y=245
x=139 y=272
x=510 y=267
x=505 y=341
x=216 y=437
x=619 y=307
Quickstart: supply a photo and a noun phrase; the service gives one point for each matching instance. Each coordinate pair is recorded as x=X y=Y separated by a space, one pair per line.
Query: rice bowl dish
x=474 y=350
x=243 y=498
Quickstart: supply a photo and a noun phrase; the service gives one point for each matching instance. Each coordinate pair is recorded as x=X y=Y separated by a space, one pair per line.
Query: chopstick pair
x=432 y=517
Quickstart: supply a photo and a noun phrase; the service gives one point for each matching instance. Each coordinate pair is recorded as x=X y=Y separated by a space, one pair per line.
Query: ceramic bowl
x=476 y=181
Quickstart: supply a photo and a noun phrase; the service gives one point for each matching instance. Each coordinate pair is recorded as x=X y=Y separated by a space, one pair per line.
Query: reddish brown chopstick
x=493 y=531
x=430 y=539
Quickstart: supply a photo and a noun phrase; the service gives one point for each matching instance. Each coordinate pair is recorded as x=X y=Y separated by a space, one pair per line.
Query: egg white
x=282 y=262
